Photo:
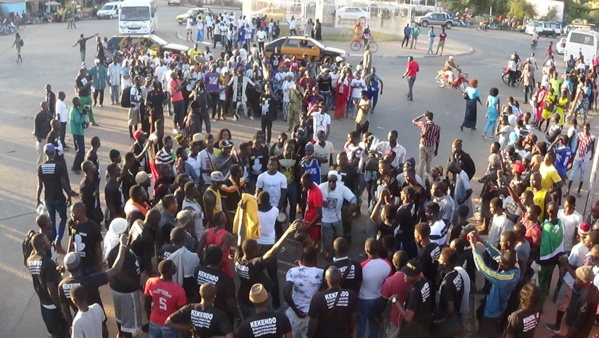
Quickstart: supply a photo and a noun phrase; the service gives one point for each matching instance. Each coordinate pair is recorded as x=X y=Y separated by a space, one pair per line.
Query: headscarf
x=111 y=240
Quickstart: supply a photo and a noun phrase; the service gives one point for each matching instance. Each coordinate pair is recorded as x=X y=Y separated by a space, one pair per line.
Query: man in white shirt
x=357 y=86
x=391 y=144
x=189 y=28
x=206 y=159
x=374 y=271
x=209 y=26
x=114 y=78
x=133 y=114
x=438 y=226
x=445 y=202
x=323 y=151
x=273 y=182
x=321 y=121
x=62 y=115
x=261 y=36
x=287 y=85
x=333 y=195
x=292 y=23
x=571 y=220
x=193 y=158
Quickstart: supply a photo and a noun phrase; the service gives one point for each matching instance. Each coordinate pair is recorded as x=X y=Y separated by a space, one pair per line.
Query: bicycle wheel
x=373 y=46
x=355 y=45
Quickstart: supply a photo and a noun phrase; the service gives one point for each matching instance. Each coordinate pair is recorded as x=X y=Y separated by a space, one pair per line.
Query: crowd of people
x=186 y=213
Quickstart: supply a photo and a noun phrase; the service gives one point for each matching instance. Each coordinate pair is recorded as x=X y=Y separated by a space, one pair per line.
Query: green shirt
x=552 y=240
x=416 y=31
x=75 y=119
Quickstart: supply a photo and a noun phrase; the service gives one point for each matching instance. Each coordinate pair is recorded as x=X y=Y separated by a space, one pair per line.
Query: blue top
x=313 y=168
x=407 y=31
x=503 y=283
x=472 y=93
x=492 y=112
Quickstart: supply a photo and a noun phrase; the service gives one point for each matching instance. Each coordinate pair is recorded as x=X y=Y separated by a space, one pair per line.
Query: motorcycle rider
x=512 y=67
x=449 y=67
x=535 y=39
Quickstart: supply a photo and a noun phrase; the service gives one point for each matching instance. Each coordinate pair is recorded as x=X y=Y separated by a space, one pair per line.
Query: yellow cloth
x=247 y=213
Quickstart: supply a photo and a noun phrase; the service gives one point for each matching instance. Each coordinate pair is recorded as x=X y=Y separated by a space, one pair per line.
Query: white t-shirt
x=439 y=232
x=326 y=151
x=374 y=272
x=333 y=201
x=570 y=223
x=195 y=164
x=62 y=111
x=320 y=122
x=358 y=85
x=199 y=218
x=189 y=23
x=261 y=35
x=286 y=86
x=273 y=185
x=267 y=226
x=206 y=159
x=306 y=282
x=88 y=324
x=576 y=258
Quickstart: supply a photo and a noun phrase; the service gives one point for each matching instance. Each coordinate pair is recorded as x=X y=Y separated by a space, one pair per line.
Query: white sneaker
x=251 y=118
x=175 y=131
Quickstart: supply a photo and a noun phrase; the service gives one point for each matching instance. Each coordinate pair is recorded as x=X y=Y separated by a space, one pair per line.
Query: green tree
x=551 y=14
x=521 y=9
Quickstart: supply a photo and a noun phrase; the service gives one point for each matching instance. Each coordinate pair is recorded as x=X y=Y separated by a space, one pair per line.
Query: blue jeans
x=61 y=208
x=366 y=314
x=292 y=196
x=114 y=94
x=82 y=56
x=157 y=331
x=204 y=119
x=329 y=232
x=490 y=125
x=79 y=141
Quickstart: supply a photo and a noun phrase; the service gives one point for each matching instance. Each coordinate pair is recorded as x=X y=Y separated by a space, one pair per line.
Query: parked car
x=543 y=28
x=438 y=19
x=174 y=2
x=156 y=45
x=298 y=46
x=352 y=14
x=110 y=10
x=194 y=12
x=560 y=48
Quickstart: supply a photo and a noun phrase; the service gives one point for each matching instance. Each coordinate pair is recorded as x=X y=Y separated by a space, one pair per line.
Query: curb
x=382 y=56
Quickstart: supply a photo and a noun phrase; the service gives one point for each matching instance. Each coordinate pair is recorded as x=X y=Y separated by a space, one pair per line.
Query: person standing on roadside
x=81 y=42
x=441 y=43
x=430 y=135
x=41 y=129
x=84 y=83
x=415 y=33
x=431 y=40
x=99 y=76
x=51 y=100
x=412 y=69
x=77 y=119
x=407 y=31
x=62 y=115
x=114 y=78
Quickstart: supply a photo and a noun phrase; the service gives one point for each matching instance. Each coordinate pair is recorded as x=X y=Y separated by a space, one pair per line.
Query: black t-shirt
x=207 y=321
x=224 y=284
x=258 y=160
x=89 y=196
x=456 y=230
x=581 y=311
x=265 y=325
x=452 y=289
x=429 y=258
x=353 y=281
x=250 y=273
x=50 y=172
x=404 y=218
x=85 y=237
x=523 y=323
x=466 y=261
x=81 y=81
x=166 y=251
x=43 y=271
x=91 y=284
x=142 y=244
x=349 y=177
x=127 y=180
x=128 y=280
x=114 y=197
x=333 y=318
x=420 y=301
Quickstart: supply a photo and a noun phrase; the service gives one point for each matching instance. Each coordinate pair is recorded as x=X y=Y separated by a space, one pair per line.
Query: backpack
x=21 y=42
x=126 y=98
x=27 y=246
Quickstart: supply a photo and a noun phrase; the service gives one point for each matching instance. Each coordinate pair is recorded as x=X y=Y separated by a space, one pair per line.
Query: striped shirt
x=429 y=133
x=585 y=144
x=164 y=157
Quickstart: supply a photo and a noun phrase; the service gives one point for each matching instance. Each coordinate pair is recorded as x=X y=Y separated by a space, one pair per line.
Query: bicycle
x=356 y=45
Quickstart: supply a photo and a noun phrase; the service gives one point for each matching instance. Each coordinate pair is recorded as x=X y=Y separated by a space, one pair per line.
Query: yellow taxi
x=300 y=45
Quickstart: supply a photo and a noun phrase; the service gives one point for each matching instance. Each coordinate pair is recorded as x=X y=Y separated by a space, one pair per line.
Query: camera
x=87 y=108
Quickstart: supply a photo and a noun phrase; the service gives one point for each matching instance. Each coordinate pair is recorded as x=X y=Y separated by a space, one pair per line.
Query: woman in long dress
x=342 y=94
x=471 y=96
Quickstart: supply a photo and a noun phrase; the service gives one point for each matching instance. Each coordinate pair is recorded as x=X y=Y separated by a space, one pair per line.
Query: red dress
x=341 y=96
x=216 y=238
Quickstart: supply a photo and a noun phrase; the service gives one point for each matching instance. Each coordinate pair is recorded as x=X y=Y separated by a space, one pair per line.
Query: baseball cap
x=72 y=261
x=138 y=133
x=309 y=146
x=584 y=229
x=141 y=177
x=585 y=274
x=389 y=153
x=258 y=294
x=412 y=268
x=217 y=176
x=519 y=167
x=49 y=148
x=225 y=144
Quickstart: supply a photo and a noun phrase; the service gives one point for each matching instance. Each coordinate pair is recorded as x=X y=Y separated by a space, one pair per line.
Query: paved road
x=49 y=58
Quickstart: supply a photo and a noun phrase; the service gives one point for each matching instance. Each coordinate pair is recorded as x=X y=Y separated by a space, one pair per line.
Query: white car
x=352 y=13
x=174 y=2
x=560 y=48
x=109 y=10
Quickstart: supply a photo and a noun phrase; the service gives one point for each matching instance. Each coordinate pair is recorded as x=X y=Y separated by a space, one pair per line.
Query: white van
x=110 y=10
x=585 y=41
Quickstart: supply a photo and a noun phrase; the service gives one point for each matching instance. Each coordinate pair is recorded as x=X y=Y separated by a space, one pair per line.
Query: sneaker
x=484 y=136
x=552 y=328
x=251 y=118
x=175 y=131
x=492 y=137
x=234 y=118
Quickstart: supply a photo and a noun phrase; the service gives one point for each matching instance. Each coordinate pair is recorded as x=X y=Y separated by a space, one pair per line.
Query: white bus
x=138 y=17
x=585 y=41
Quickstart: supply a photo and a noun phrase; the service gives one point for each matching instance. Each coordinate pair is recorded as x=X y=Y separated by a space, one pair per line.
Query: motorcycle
x=461 y=82
x=505 y=76
x=533 y=44
x=482 y=26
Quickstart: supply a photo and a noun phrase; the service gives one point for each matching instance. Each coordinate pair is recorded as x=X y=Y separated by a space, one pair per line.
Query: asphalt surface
x=49 y=58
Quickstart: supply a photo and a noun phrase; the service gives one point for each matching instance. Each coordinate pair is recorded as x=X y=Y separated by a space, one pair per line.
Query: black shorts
x=55 y=322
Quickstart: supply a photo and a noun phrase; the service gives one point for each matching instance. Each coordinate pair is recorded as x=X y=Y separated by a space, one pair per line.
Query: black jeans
x=179 y=109
x=362 y=128
x=214 y=103
x=512 y=78
x=528 y=90
x=79 y=141
x=101 y=92
x=63 y=130
x=266 y=125
x=406 y=41
x=272 y=271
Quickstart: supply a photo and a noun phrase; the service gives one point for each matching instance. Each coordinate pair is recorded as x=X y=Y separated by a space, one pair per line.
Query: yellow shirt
x=362 y=115
x=193 y=52
x=539 y=199
x=549 y=176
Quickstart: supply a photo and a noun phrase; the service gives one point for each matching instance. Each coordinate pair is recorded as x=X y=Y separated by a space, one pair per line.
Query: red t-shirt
x=413 y=68
x=313 y=202
x=442 y=36
x=175 y=95
x=167 y=297
x=395 y=285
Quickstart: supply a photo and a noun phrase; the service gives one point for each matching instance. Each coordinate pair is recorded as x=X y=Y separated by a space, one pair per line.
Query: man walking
x=41 y=129
x=411 y=69
x=81 y=42
x=430 y=134
x=51 y=100
x=431 y=40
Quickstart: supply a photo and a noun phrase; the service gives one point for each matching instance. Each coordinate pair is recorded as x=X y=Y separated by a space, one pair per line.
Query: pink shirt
x=167 y=297
x=395 y=285
x=175 y=95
